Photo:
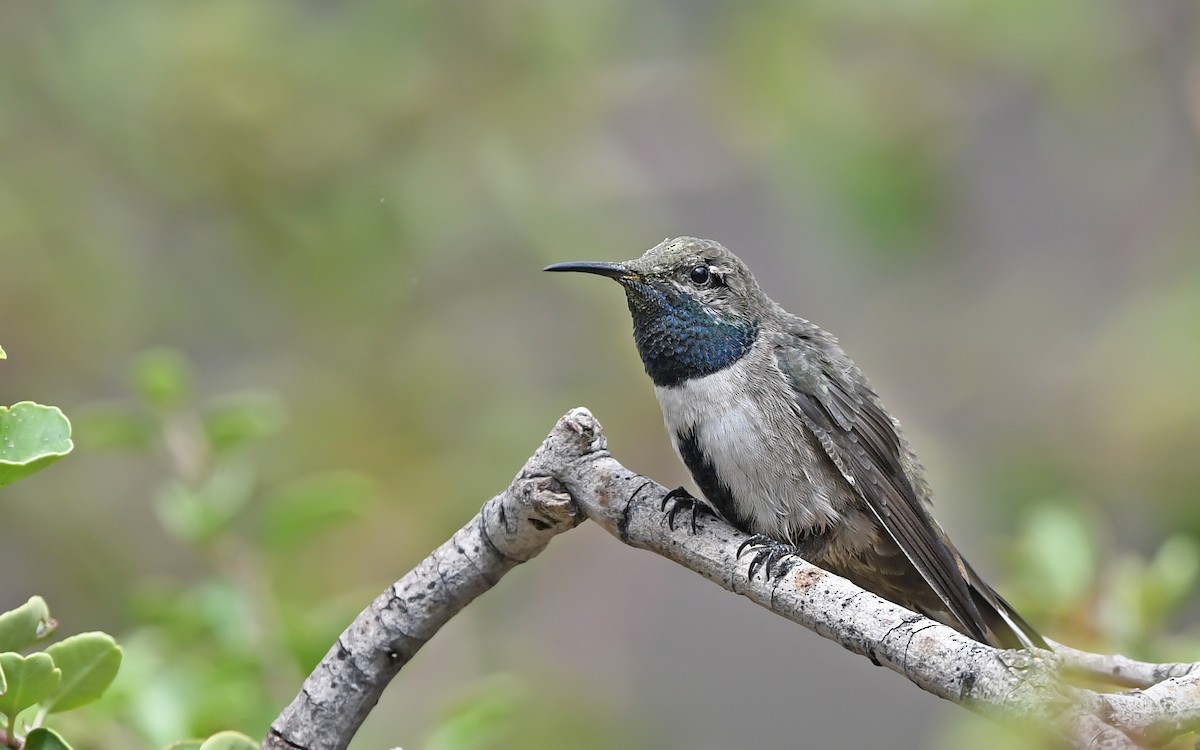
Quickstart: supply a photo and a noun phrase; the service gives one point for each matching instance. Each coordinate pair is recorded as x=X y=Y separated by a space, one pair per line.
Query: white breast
x=754 y=439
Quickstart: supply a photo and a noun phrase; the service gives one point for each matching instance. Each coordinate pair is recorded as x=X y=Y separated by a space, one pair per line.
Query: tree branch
x=511 y=528
x=572 y=475
x=1119 y=670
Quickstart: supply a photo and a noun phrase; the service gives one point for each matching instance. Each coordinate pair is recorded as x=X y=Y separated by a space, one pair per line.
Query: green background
x=344 y=209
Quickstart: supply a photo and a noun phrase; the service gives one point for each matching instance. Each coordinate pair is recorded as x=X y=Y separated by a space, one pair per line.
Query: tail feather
x=885 y=570
x=1005 y=627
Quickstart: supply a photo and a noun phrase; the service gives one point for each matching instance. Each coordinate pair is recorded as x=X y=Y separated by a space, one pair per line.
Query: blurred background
x=280 y=263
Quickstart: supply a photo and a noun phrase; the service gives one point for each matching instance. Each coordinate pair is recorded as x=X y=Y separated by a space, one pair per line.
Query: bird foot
x=682 y=500
x=769 y=555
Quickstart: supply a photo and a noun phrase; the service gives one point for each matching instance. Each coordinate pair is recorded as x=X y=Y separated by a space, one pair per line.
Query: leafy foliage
x=26 y=625
x=30 y=679
x=32 y=437
x=44 y=738
x=72 y=672
x=89 y=663
x=75 y=671
x=202 y=649
x=68 y=674
x=229 y=741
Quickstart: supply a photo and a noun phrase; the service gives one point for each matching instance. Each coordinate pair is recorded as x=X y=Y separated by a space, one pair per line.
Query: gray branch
x=572 y=476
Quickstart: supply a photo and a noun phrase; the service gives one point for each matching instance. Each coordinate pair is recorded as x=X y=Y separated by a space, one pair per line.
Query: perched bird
x=786 y=440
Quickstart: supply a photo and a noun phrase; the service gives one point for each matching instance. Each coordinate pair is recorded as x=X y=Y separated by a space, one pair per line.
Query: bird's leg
x=770 y=555
x=681 y=499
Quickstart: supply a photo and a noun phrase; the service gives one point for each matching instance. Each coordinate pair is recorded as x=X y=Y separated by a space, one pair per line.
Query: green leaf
x=26 y=625
x=229 y=741
x=1123 y=613
x=185 y=745
x=197 y=514
x=162 y=377
x=485 y=719
x=1175 y=570
x=2 y=354
x=308 y=627
x=44 y=738
x=236 y=420
x=111 y=427
x=312 y=505
x=89 y=662
x=1060 y=544
x=30 y=679
x=32 y=437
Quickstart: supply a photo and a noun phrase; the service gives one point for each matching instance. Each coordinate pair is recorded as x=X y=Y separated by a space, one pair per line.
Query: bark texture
x=572 y=476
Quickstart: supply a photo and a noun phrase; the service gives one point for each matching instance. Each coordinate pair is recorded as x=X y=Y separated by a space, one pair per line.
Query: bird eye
x=700 y=275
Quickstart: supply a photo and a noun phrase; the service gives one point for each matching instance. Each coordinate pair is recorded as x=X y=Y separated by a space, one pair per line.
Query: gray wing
x=844 y=415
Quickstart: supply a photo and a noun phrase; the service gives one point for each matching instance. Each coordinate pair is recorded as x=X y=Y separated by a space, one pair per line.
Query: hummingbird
x=787 y=441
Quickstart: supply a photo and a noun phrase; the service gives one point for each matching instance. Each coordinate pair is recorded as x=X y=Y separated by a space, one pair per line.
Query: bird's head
x=696 y=307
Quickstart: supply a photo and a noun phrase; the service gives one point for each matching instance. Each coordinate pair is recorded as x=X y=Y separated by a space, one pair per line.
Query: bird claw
x=681 y=499
x=770 y=555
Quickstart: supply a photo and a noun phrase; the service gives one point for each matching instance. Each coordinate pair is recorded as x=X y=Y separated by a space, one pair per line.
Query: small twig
x=1120 y=670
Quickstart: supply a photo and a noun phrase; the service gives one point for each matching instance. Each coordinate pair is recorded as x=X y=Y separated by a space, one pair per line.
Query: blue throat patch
x=679 y=339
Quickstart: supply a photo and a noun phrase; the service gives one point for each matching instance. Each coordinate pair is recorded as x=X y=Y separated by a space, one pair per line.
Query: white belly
x=756 y=443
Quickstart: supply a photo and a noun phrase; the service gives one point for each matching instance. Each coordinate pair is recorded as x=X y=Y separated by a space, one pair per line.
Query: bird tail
x=1005 y=627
